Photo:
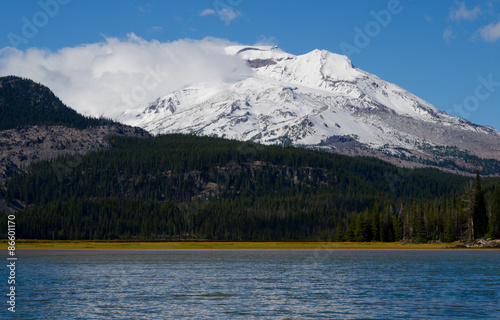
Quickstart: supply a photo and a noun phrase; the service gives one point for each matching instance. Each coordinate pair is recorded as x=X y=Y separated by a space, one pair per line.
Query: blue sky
x=446 y=52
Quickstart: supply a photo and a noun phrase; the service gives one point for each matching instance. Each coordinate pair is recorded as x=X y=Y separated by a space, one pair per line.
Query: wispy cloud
x=207 y=12
x=266 y=41
x=428 y=18
x=146 y=8
x=225 y=14
x=95 y=78
x=460 y=12
x=490 y=33
x=448 y=34
x=228 y=15
x=155 y=29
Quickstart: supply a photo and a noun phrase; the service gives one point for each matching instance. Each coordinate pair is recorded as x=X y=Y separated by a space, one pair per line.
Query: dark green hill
x=24 y=102
x=179 y=186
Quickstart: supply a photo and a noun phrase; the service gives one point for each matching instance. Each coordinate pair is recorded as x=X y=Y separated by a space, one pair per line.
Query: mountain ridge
x=25 y=102
x=35 y=125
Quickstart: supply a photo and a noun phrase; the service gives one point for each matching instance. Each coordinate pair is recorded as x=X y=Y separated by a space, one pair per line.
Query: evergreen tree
x=398 y=226
x=419 y=224
x=386 y=225
x=449 y=235
x=339 y=233
x=375 y=223
x=349 y=234
x=361 y=229
x=479 y=213
x=495 y=214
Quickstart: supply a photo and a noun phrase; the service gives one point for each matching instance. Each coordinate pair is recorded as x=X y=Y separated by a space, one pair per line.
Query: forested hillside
x=181 y=186
x=24 y=102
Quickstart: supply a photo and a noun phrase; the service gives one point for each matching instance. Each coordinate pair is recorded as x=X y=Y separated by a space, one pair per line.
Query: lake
x=225 y=284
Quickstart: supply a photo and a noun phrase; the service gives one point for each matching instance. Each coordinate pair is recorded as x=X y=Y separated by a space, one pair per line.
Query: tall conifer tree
x=495 y=214
x=479 y=210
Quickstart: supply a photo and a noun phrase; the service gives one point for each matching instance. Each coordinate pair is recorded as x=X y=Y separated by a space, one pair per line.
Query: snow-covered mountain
x=315 y=99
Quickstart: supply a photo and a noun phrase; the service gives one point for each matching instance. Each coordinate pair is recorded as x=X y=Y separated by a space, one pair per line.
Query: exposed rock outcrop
x=482 y=243
x=20 y=147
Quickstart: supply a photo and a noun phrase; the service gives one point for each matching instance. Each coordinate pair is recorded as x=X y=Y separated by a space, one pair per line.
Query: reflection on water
x=257 y=284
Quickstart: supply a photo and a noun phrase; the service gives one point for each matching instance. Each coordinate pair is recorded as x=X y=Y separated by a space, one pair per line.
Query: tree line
x=182 y=186
x=466 y=217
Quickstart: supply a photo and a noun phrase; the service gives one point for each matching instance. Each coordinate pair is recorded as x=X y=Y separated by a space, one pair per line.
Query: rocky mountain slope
x=20 y=147
x=36 y=125
x=317 y=100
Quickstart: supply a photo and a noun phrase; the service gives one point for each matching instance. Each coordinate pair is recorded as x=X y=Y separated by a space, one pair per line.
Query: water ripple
x=257 y=285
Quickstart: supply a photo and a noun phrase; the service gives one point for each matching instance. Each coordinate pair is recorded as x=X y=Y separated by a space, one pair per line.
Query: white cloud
x=227 y=15
x=266 y=41
x=428 y=18
x=116 y=75
x=156 y=29
x=491 y=32
x=146 y=8
x=462 y=13
x=448 y=34
x=207 y=12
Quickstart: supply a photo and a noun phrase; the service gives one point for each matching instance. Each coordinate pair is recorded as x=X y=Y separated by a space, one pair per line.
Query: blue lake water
x=113 y=284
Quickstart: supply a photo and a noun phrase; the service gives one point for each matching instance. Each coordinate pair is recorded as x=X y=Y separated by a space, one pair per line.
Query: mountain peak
x=330 y=65
x=311 y=69
x=318 y=69
x=330 y=58
x=309 y=99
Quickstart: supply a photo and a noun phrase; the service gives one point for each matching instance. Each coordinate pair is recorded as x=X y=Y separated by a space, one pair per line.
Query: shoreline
x=228 y=245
